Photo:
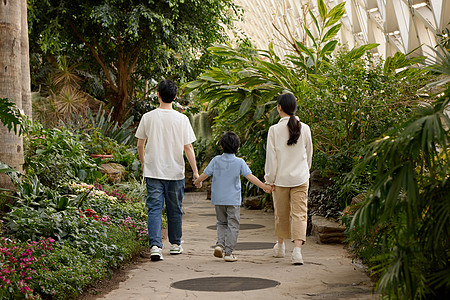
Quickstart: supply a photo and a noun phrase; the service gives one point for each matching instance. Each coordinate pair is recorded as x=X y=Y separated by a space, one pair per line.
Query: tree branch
x=97 y=57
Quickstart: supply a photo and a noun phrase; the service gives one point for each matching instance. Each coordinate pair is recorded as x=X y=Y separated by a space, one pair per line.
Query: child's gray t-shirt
x=226 y=170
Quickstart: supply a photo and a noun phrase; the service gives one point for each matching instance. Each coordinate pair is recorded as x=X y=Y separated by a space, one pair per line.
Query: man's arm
x=190 y=154
x=141 y=151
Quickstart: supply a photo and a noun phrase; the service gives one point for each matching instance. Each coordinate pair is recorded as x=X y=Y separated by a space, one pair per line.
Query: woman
x=288 y=160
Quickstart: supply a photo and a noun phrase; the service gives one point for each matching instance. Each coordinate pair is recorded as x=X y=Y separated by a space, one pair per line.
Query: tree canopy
x=125 y=42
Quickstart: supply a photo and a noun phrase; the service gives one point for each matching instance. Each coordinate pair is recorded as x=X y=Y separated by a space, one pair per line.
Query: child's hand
x=267 y=188
x=198 y=184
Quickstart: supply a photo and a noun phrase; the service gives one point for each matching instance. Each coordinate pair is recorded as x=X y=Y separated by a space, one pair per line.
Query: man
x=168 y=133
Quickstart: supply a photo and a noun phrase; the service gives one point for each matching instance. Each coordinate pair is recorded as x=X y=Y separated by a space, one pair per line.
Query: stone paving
x=328 y=272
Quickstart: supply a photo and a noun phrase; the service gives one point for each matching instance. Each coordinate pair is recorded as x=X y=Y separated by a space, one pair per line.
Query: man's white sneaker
x=156 y=253
x=218 y=251
x=279 y=250
x=176 y=249
x=297 y=258
x=230 y=257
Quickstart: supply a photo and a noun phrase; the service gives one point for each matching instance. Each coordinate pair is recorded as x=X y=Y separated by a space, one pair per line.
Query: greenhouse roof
x=396 y=25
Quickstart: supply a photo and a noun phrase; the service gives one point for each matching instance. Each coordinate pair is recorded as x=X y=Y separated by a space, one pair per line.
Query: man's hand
x=195 y=176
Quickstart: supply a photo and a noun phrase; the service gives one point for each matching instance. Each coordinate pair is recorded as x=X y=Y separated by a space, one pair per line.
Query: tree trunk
x=11 y=145
x=122 y=99
x=25 y=57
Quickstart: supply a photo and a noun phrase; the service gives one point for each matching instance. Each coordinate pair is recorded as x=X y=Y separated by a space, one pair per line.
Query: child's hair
x=167 y=89
x=288 y=104
x=230 y=142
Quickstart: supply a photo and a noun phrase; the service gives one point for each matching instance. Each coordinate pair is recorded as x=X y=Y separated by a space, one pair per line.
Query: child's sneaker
x=156 y=253
x=279 y=250
x=218 y=251
x=230 y=257
x=297 y=258
x=176 y=249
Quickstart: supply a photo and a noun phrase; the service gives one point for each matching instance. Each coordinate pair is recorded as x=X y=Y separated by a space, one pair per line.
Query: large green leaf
x=313 y=17
x=331 y=33
x=311 y=36
x=303 y=48
x=335 y=14
x=193 y=84
x=329 y=47
x=258 y=112
x=322 y=10
x=357 y=52
x=9 y=115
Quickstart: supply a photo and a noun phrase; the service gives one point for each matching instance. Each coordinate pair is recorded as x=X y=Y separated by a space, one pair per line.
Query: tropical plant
x=344 y=95
x=102 y=124
x=244 y=90
x=9 y=115
x=407 y=207
x=127 y=44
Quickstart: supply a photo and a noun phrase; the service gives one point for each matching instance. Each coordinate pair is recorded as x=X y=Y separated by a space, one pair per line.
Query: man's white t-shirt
x=166 y=132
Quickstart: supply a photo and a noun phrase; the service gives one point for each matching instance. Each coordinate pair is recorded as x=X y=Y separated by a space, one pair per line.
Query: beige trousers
x=291 y=205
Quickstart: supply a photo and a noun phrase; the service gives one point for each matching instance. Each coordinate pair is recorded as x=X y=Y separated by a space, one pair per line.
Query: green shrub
x=407 y=207
x=57 y=156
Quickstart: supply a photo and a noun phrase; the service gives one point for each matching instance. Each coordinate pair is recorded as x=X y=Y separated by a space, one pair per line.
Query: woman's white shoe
x=279 y=250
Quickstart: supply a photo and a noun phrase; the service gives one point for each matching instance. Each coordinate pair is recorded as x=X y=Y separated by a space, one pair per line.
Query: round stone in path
x=252 y=246
x=224 y=284
x=241 y=226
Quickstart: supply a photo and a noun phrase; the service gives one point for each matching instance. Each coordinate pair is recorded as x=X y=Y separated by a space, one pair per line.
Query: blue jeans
x=170 y=192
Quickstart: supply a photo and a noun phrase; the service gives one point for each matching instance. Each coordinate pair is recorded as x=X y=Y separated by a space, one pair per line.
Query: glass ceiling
x=397 y=25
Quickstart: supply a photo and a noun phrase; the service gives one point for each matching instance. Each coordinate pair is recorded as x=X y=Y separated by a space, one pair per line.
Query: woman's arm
x=309 y=146
x=270 y=168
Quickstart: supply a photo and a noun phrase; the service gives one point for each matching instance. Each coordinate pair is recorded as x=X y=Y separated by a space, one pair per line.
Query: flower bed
x=55 y=253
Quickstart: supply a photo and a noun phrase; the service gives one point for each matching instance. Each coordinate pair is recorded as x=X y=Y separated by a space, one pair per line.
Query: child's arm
x=199 y=180
x=253 y=179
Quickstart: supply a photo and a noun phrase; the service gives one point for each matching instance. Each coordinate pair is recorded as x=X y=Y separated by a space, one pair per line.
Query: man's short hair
x=167 y=90
x=230 y=142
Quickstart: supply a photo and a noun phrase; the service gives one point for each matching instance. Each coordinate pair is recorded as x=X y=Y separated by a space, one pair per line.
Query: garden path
x=328 y=272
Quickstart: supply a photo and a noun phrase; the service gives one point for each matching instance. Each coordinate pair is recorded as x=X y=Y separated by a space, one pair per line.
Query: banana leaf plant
x=242 y=92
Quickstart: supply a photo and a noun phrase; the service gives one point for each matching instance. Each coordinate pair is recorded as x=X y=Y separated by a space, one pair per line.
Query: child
x=226 y=170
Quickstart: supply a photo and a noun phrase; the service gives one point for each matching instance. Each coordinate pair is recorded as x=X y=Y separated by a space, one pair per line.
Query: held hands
x=268 y=188
x=197 y=182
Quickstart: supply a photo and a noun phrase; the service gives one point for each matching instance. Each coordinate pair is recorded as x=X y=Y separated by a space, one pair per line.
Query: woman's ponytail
x=288 y=104
x=294 y=127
